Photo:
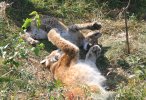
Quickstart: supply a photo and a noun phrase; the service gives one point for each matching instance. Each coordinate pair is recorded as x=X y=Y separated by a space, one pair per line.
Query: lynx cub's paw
x=92 y=37
x=95 y=50
x=34 y=42
x=93 y=53
x=96 y=26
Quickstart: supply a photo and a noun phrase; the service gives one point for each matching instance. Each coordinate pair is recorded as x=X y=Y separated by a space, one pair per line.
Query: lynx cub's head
x=51 y=60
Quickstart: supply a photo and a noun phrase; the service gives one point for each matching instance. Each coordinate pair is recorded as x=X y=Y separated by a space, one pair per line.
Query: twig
x=128 y=5
x=7 y=73
x=126 y=27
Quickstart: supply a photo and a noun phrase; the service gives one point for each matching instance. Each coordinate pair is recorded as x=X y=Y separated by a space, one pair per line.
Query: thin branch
x=128 y=5
x=126 y=27
x=7 y=73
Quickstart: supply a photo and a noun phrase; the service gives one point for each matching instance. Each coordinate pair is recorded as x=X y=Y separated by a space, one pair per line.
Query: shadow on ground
x=20 y=10
x=103 y=64
x=48 y=45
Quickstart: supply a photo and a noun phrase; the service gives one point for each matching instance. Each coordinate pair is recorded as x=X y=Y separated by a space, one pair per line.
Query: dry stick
x=127 y=35
x=126 y=28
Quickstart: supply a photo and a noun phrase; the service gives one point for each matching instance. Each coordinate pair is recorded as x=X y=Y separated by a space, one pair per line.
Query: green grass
x=21 y=75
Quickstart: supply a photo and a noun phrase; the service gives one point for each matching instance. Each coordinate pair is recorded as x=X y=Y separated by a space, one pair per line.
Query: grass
x=21 y=75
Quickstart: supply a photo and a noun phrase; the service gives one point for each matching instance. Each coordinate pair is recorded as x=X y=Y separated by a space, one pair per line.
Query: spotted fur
x=71 y=33
x=76 y=74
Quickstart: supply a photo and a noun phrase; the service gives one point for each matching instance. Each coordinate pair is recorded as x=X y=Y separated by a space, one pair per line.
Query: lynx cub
x=72 y=71
x=71 y=33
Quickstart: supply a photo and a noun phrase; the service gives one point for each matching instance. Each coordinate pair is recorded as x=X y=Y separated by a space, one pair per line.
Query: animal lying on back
x=71 y=33
x=73 y=72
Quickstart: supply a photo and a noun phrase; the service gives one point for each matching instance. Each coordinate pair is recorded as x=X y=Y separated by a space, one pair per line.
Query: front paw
x=95 y=50
x=34 y=42
x=93 y=35
x=96 y=26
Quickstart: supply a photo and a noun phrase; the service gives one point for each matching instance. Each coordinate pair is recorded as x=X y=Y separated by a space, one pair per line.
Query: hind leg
x=93 y=53
x=90 y=26
x=91 y=39
x=29 y=39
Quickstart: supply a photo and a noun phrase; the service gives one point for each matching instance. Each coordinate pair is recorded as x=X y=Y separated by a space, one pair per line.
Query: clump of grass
x=134 y=90
x=126 y=73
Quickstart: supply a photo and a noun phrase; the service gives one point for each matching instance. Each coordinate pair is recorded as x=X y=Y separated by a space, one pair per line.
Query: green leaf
x=37 y=16
x=33 y=13
x=38 y=21
x=41 y=46
x=36 y=50
x=27 y=23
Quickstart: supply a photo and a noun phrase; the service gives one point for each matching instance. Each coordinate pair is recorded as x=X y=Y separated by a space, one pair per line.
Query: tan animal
x=73 y=72
x=71 y=33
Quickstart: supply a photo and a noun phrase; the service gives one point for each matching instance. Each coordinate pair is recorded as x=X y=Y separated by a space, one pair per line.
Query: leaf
x=27 y=23
x=41 y=46
x=38 y=23
x=33 y=13
x=36 y=50
x=37 y=16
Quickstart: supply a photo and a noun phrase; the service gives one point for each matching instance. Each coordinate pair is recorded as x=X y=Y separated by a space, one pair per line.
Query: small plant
x=37 y=49
x=28 y=21
x=135 y=88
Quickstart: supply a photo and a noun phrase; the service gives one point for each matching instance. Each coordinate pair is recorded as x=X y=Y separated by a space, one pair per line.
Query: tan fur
x=73 y=73
x=71 y=33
